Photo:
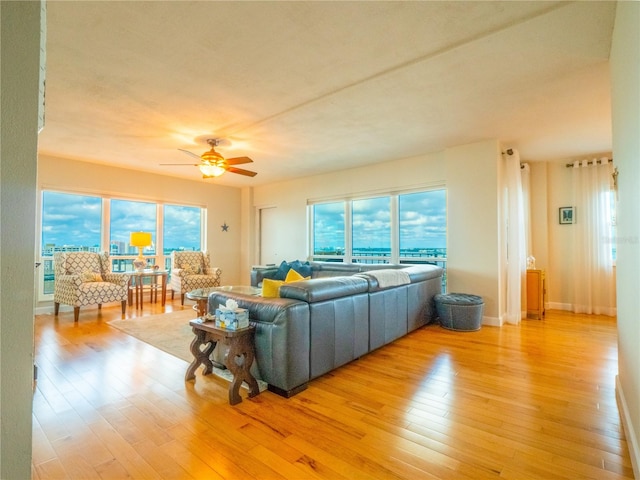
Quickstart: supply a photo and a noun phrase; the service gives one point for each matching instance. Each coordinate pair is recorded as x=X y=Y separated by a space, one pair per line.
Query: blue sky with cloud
x=422 y=222
x=76 y=220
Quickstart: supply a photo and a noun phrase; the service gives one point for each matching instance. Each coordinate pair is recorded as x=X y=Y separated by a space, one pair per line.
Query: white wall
x=20 y=64
x=470 y=175
x=223 y=204
x=290 y=198
x=540 y=217
x=473 y=228
x=560 y=240
x=625 y=73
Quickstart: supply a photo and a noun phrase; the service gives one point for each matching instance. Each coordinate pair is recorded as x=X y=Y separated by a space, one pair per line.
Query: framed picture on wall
x=566 y=215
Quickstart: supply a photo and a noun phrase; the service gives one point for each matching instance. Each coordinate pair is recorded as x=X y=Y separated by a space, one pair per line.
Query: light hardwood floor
x=530 y=402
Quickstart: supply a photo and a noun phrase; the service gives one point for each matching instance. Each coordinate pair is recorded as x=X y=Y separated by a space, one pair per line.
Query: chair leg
x=182 y=299
x=76 y=313
x=99 y=306
x=124 y=307
x=56 y=308
x=172 y=292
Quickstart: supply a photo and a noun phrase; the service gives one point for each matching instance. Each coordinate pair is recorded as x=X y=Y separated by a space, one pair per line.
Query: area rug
x=171 y=333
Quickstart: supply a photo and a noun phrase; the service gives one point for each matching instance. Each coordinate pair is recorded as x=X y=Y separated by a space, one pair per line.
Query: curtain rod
x=609 y=160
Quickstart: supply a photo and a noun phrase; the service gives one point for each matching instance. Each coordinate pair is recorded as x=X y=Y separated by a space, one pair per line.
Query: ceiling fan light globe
x=211 y=170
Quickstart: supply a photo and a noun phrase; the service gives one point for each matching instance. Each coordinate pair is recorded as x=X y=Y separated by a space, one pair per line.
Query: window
x=328 y=230
x=126 y=217
x=182 y=230
x=72 y=222
x=422 y=226
x=402 y=228
x=371 y=230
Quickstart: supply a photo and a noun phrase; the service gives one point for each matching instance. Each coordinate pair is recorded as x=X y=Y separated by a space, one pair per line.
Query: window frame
x=395 y=257
x=160 y=257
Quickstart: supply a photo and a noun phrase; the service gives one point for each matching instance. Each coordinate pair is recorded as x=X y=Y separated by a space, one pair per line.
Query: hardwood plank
x=124 y=452
x=518 y=402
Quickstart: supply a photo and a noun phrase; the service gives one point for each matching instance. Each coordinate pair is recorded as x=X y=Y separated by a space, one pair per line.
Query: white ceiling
x=309 y=87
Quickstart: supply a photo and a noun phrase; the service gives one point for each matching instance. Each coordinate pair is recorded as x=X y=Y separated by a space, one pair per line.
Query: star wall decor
x=225 y=227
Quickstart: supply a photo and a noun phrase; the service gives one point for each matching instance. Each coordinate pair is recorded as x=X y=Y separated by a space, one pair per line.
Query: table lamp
x=140 y=240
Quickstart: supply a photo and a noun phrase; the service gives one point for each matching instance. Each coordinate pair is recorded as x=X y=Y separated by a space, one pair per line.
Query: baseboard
x=568 y=307
x=43 y=310
x=632 y=439
x=491 y=321
x=559 y=306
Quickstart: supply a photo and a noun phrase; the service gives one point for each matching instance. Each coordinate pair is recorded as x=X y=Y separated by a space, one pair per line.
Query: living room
x=472 y=191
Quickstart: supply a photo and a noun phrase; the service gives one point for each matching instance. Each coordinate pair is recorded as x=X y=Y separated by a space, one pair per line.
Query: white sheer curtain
x=525 y=179
x=516 y=240
x=593 y=276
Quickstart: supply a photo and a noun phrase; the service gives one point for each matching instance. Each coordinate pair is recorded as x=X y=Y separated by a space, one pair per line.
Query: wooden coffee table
x=238 y=360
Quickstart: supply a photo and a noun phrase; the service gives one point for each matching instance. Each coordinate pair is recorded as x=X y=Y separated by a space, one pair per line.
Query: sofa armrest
x=259 y=274
x=282 y=337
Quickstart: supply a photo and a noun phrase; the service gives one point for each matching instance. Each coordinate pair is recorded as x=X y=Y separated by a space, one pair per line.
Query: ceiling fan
x=212 y=164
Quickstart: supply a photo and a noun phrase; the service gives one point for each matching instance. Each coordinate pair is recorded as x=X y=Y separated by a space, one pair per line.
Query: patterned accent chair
x=85 y=278
x=192 y=270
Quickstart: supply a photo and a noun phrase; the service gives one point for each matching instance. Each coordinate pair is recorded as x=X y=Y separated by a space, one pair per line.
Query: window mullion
x=105 y=235
x=348 y=226
x=395 y=230
x=159 y=260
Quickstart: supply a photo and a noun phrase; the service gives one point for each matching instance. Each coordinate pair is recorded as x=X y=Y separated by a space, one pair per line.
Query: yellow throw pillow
x=188 y=269
x=91 y=276
x=271 y=288
x=294 y=276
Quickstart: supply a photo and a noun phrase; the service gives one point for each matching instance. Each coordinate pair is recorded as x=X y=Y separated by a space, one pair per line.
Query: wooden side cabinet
x=536 y=290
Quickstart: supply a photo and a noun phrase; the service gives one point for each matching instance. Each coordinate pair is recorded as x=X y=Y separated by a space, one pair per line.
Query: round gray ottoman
x=459 y=311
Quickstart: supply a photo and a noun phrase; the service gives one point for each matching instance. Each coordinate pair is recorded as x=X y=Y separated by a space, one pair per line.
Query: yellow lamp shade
x=140 y=239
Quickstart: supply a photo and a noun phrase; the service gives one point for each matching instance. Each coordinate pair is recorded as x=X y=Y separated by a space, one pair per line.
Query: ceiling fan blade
x=238 y=160
x=190 y=153
x=241 y=171
x=187 y=164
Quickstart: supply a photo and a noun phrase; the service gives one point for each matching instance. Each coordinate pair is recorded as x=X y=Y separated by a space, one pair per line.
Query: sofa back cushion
x=322 y=289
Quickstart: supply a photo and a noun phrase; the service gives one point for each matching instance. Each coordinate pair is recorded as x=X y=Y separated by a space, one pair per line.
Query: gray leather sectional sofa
x=343 y=312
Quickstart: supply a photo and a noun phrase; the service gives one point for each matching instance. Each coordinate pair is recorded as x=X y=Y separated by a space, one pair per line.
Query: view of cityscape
x=72 y=223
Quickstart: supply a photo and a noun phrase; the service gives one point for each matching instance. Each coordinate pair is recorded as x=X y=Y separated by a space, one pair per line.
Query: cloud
x=76 y=220
x=422 y=222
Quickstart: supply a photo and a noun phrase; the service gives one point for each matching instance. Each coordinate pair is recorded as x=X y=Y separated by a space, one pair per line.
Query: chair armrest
x=177 y=272
x=121 y=279
x=74 y=280
x=216 y=271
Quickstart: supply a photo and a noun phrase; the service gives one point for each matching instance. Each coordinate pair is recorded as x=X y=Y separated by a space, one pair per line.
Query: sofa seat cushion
x=321 y=289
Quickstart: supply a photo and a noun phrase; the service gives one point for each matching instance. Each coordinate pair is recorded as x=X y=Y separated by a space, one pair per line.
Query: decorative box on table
x=231 y=317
